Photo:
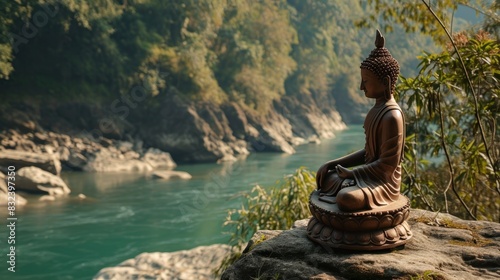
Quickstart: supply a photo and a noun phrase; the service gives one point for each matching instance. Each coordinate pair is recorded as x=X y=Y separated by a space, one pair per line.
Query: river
x=124 y=215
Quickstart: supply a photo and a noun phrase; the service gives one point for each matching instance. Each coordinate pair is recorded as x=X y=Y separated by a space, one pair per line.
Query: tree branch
x=474 y=96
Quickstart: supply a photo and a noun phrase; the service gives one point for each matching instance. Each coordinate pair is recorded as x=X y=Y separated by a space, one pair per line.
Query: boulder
x=197 y=263
x=131 y=155
x=240 y=148
x=171 y=174
x=19 y=159
x=158 y=159
x=63 y=140
x=443 y=247
x=26 y=145
x=34 y=179
x=41 y=138
x=4 y=197
x=124 y=146
x=314 y=140
x=110 y=161
x=76 y=161
x=63 y=153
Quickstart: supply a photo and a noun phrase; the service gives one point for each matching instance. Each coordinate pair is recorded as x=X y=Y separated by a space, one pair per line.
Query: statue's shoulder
x=392 y=109
x=393 y=112
x=392 y=119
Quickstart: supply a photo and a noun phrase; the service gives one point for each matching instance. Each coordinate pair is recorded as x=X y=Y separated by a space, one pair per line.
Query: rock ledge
x=443 y=247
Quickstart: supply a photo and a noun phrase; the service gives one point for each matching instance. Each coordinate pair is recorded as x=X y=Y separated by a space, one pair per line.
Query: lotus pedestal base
x=376 y=229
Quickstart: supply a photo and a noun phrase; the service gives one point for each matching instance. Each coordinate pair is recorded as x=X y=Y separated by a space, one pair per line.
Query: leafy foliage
x=445 y=150
x=413 y=16
x=274 y=209
x=277 y=208
x=249 y=52
x=253 y=51
x=452 y=143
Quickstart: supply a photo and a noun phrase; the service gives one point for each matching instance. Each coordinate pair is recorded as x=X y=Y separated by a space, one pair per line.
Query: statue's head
x=381 y=63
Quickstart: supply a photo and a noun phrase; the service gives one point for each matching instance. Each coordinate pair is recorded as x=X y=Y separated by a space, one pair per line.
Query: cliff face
x=442 y=247
x=205 y=132
x=190 y=131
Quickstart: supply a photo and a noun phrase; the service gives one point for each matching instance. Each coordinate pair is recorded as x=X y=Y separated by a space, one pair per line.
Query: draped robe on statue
x=380 y=177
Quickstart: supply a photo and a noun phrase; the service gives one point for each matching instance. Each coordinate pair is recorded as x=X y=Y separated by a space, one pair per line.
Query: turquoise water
x=127 y=214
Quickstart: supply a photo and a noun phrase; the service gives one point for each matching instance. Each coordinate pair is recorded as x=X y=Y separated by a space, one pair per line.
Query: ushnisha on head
x=381 y=63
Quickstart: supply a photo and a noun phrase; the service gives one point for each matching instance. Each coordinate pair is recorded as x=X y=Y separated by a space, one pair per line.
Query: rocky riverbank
x=189 y=131
x=146 y=135
x=197 y=263
x=39 y=157
x=203 y=132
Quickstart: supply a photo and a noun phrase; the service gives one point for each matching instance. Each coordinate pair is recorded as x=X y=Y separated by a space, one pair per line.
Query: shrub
x=274 y=209
x=453 y=138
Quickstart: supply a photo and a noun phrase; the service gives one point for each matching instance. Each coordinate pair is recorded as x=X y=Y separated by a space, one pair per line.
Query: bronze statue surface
x=373 y=184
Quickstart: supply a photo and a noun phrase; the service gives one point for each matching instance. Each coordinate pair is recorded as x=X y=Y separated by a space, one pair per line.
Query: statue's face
x=371 y=85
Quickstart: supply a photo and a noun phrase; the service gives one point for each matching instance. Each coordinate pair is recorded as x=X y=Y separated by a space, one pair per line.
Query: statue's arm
x=390 y=145
x=350 y=160
x=353 y=159
x=393 y=127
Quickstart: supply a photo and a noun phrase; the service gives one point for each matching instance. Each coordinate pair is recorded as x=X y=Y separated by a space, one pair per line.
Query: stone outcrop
x=171 y=174
x=106 y=161
x=274 y=134
x=19 y=159
x=35 y=180
x=308 y=121
x=443 y=247
x=50 y=151
x=4 y=197
x=191 y=133
x=198 y=132
x=197 y=263
x=158 y=159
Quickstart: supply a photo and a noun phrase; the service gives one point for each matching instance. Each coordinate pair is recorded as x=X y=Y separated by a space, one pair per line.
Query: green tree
x=314 y=50
x=443 y=125
x=253 y=52
x=60 y=47
x=216 y=51
x=181 y=54
x=452 y=105
x=411 y=15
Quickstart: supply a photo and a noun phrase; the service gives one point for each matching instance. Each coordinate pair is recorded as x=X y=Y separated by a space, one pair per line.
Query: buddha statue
x=358 y=204
x=376 y=177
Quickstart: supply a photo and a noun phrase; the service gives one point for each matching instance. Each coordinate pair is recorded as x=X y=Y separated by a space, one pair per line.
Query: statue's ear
x=388 y=89
x=387 y=82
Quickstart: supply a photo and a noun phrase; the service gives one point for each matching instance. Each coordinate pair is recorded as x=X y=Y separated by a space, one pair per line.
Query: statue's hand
x=343 y=172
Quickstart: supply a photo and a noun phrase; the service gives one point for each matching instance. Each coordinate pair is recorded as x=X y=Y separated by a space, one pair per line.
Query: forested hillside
x=203 y=80
x=249 y=52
